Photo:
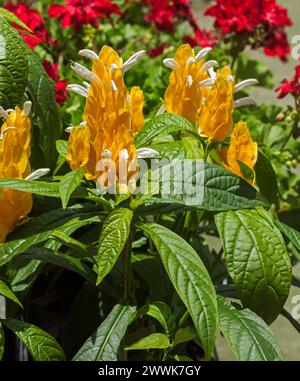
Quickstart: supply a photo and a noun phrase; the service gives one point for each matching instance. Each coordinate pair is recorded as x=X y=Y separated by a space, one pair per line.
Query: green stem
x=183 y=319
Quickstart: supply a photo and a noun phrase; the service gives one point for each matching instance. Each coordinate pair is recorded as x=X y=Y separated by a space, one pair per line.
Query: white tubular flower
x=88 y=54
x=244 y=84
x=203 y=53
x=207 y=82
x=83 y=124
x=69 y=129
x=3 y=113
x=212 y=73
x=147 y=153
x=83 y=72
x=170 y=63
x=191 y=60
x=5 y=131
x=208 y=65
x=38 y=174
x=78 y=89
x=27 y=108
x=114 y=86
x=132 y=61
x=86 y=85
x=190 y=81
x=248 y=101
x=161 y=110
x=8 y=111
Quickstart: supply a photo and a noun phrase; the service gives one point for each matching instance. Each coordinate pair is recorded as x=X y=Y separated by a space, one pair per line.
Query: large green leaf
x=6 y=292
x=13 y=66
x=104 y=344
x=40 y=344
x=257 y=260
x=191 y=281
x=153 y=341
x=202 y=185
x=266 y=178
x=162 y=125
x=162 y=313
x=114 y=235
x=247 y=334
x=47 y=122
x=68 y=184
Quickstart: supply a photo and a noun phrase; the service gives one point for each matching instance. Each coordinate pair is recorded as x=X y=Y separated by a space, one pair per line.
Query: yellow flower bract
x=113 y=116
x=14 y=163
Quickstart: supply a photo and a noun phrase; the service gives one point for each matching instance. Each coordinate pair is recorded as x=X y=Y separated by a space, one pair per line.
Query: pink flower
x=158 y=51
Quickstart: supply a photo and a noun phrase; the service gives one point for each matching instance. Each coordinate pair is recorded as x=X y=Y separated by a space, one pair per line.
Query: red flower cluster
x=203 y=37
x=165 y=13
x=290 y=87
x=77 y=13
x=33 y=20
x=252 y=17
x=61 y=86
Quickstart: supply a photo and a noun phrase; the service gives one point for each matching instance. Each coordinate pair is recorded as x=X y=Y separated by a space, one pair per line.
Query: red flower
x=204 y=38
x=276 y=44
x=165 y=13
x=261 y=20
x=61 y=86
x=290 y=87
x=77 y=13
x=33 y=20
x=158 y=51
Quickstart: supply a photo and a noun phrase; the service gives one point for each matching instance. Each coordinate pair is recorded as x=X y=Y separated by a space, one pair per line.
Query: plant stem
x=128 y=289
x=184 y=319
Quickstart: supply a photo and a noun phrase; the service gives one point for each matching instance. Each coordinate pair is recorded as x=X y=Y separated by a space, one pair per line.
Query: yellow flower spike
x=14 y=163
x=184 y=94
x=215 y=119
x=112 y=117
x=242 y=149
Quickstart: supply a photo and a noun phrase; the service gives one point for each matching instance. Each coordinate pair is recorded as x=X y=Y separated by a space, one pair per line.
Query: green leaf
x=104 y=344
x=202 y=185
x=6 y=292
x=114 y=235
x=256 y=259
x=62 y=147
x=266 y=178
x=162 y=313
x=153 y=341
x=41 y=346
x=47 y=121
x=36 y=187
x=184 y=335
x=292 y=234
x=162 y=125
x=2 y=341
x=62 y=260
x=247 y=334
x=13 y=66
x=13 y=19
x=68 y=184
x=191 y=281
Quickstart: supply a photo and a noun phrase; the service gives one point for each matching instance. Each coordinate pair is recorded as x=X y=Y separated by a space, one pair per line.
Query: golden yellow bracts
x=14 y=163
x=112 y=117
x=206 y=98
x=201 y=95
x=242 y=152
